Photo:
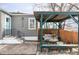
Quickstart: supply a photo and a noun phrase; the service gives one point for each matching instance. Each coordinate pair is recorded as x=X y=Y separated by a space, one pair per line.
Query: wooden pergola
x=48 y=16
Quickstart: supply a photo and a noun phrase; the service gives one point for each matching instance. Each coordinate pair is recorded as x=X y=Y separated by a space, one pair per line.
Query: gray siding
x=0 y=25
x=20 y=26
x=3 y=17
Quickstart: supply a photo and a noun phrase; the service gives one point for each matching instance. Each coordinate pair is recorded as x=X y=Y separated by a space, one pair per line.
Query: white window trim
x=29 y=28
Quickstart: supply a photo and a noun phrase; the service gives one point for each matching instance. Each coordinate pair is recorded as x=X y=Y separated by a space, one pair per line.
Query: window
x=31 y=24
x=22 y=21
x=7 y=19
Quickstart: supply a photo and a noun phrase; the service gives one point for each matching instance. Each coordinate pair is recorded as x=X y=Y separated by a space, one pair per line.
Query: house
x=18 y=24
x=5 y=23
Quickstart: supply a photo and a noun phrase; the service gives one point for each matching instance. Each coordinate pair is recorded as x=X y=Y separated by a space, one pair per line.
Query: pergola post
x=78 y=33
x=48 y=18
x=59 y=27
x=46 y=25
x=41 y=30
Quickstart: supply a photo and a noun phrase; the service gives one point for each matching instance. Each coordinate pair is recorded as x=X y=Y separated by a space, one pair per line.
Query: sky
x=20 y=7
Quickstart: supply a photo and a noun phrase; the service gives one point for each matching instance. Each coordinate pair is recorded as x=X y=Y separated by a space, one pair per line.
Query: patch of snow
x=31 y=38
x=10 y=41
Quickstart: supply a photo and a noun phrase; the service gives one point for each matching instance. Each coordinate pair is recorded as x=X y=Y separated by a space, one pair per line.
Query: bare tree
x=64 y=6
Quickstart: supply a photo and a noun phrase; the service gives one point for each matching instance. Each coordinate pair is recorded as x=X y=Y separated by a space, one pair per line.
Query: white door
x=8 y=26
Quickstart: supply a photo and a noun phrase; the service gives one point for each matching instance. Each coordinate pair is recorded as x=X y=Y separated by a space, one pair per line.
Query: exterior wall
x=3 y=23
x=21 y=26
x=0 y=25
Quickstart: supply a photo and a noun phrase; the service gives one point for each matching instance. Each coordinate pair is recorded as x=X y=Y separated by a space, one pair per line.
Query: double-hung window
x=31 y=24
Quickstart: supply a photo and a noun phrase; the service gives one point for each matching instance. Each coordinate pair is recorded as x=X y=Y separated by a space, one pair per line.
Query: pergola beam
x=58 y=13
x=73 y=19
x=48 y=18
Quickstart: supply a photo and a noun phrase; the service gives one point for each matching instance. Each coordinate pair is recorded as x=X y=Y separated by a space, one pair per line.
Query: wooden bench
x=60 y=47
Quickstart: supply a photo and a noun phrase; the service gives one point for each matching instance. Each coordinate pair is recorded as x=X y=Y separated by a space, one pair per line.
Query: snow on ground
x=14 y=40
x=10 y=40
x=31 y=38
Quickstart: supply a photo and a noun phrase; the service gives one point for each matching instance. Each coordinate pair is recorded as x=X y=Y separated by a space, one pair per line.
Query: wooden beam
x=78 y=33
x=74 y=19
x=41 y=20
x=57 y=13
x=51 y=19
x=48 y=18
